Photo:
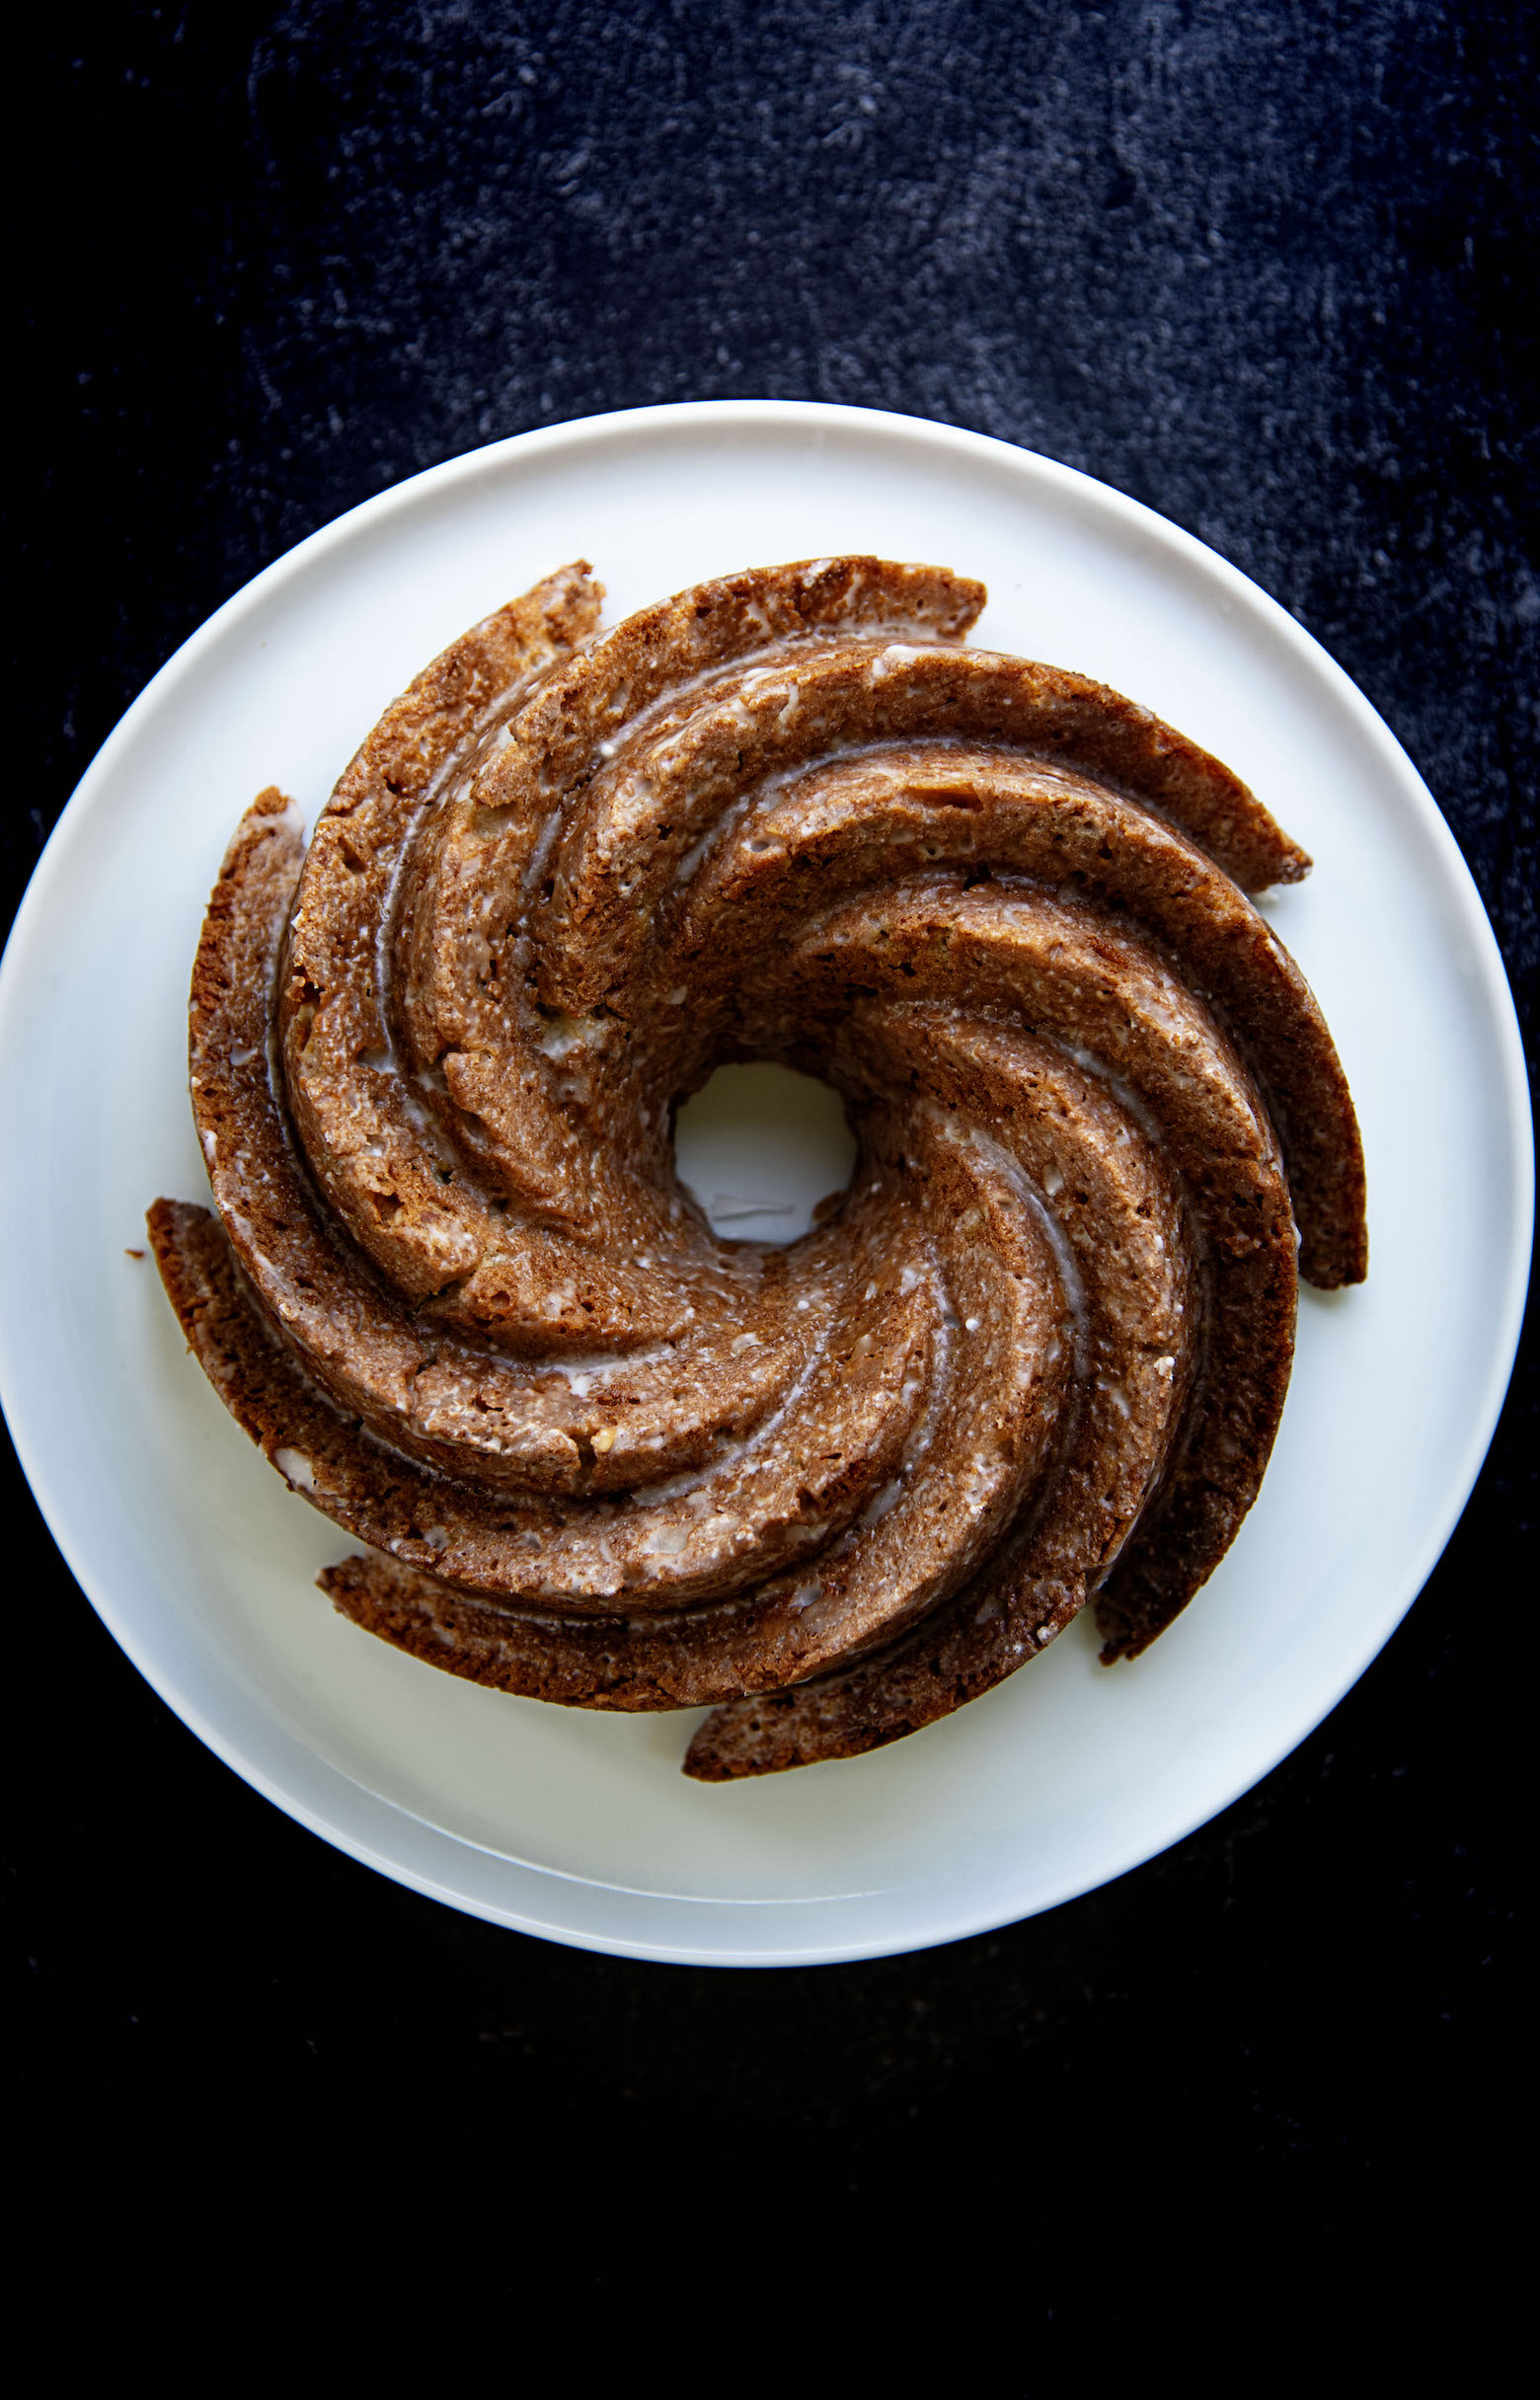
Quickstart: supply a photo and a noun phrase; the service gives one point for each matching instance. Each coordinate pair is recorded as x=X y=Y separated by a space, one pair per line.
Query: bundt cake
x=452 y=1283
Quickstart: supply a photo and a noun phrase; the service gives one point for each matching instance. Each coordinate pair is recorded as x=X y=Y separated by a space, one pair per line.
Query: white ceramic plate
x=581 y=1827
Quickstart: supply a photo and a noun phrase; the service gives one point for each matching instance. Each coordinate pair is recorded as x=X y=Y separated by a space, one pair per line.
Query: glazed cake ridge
x=452 y=1285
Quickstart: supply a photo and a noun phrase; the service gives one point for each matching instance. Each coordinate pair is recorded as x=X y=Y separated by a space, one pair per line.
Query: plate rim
x=433 y=1878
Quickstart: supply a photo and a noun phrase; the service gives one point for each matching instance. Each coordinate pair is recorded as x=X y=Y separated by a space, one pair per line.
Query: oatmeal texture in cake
x=452 y=1286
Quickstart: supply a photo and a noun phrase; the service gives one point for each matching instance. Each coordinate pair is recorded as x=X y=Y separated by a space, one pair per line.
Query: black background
x=1267 y=267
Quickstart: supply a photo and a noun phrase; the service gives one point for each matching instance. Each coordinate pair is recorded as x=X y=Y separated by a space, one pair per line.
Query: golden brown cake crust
x=452 y=1288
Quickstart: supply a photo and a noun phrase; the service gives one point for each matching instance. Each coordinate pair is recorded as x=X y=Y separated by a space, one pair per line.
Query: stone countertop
x=1264 y=267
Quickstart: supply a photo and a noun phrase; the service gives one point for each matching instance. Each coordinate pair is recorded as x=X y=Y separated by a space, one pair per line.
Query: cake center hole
x=759 y=1146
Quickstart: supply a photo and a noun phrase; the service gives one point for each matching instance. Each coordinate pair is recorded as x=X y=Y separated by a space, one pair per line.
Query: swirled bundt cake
x=452 y=1284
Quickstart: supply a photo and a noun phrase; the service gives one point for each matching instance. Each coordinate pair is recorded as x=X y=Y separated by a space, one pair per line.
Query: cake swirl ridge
x=452 y=1284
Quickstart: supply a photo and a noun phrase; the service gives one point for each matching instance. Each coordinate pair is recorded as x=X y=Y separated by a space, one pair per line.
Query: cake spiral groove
x=451 y=1285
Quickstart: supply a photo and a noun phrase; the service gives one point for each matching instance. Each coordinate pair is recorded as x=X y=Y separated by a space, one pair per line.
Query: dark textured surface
x=1267 y=267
